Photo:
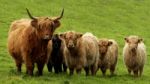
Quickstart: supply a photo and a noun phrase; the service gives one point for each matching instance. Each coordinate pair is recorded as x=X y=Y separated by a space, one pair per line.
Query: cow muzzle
x=70 y=46
x=133 y=49
x=47 y=37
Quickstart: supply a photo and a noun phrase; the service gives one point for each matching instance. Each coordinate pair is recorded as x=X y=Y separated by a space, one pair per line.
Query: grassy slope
x=105 y=18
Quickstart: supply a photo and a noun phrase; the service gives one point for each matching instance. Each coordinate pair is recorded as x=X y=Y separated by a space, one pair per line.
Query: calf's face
x=103 y=45
x=133 y=42
x=56 y=41
x=71 y=39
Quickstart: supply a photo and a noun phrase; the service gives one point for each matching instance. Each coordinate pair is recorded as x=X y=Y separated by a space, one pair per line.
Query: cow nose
x=133 y=49
x=71 y=46
x=47 y=37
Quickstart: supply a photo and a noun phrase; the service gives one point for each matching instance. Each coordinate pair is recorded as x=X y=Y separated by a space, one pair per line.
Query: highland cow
x=108 y=50
x=28 y=39
x=56 y=56
x=81 y=51
x=134 y=53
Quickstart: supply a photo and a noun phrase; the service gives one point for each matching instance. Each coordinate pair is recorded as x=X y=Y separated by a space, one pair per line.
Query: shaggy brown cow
x=108 y=50
x=81 y=52
x=28 y=39
x=134 y=53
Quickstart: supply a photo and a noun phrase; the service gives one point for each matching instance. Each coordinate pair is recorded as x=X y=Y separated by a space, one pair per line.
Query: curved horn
x=30 y=14
x=60 y=15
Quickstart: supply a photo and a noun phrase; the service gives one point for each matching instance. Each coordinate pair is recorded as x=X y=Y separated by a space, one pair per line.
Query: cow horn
x=60 y=15
x=30 y=14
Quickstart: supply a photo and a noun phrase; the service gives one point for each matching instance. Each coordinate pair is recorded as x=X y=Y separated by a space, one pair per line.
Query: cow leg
x=30 y=69
x=78 y=71
x=18 y=65
x=64 y=67
x=103 y=69
x=40 y=66
x=112 y=69
x=29 y=63
x=94 y=69
x=56 y=68
x=135 y=73
x=141 y=70
x=78 y=68
x=86 y=70
x=129 y=71
x=18 y=61
x=71 y=71
x=49 y=66
x=60 y=67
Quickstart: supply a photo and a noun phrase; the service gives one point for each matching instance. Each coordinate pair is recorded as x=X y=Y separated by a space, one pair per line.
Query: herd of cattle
x=32 y=41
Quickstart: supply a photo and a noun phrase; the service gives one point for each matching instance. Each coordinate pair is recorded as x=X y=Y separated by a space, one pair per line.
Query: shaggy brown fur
x=81 y=52
x=28 y=39
x=134 y=53
x=108 y=50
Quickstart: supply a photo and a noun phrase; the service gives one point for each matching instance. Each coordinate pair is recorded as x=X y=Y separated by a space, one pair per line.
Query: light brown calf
x=81 y=52
x=134 y=53
x=108 y=50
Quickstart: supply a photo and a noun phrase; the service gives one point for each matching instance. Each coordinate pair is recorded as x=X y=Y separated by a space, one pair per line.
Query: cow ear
x=55 y=35
x=126 y=39
x=79 y=35
x=62 y=35
x=34 y=23
x=139 y=40
x=56 y=23
x=110 y=43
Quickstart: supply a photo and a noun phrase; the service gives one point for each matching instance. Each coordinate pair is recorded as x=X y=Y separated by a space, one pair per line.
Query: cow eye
x=129 y=42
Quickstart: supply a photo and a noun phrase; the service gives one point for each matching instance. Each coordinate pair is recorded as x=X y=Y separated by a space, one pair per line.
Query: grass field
x=114 y=19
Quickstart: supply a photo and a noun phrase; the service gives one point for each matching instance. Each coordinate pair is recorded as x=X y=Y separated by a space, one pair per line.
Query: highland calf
x=108 y=50
x=56 y=56
x=28 y=39
x=134 y=53
x=81 y=52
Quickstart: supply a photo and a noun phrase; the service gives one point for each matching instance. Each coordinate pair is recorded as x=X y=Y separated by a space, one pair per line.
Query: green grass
x=114 y=19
